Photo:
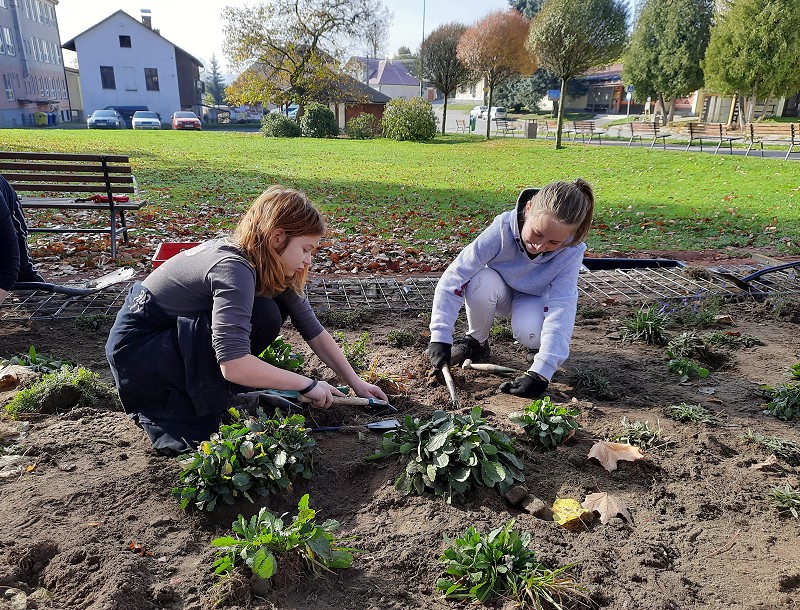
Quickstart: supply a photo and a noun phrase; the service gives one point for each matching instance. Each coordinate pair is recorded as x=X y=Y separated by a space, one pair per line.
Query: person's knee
x=487 y=285
x=267 y=319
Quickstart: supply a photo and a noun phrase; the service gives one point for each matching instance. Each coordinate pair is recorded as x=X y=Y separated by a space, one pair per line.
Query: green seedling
x=35 y=361
x=480 y=567
x=66 y=387
x=787 y=450
x=691 y=414
x=279 y=353
x=450 y=453
x=349 y=319
x=685 y=369
x=93 y=321
x=794 y=371
x=731 y=339
x=260 y=455
x=784 y=401
x=401 y=337
x=647 y=325
x=546 y=423
x=355 y=352
x=501 y=330
x=640 y=434
x=260 y=542
x=786 y=499
x=592 y=383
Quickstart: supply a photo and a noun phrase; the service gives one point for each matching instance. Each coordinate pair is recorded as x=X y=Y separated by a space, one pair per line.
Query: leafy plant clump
x=546 y=423
x=355 y=352
x=646 y=325
x=252 y=454
x=787 y=450
x=362 y=127
x=279 y=353
x=693 y=312
x=686 y=369
x=592 y=383
x=501 y=330
x=691 y=414
x=344 y=318
x=731 y=339
x=688 y=345
x=318 y=121
x=450 y=453
x=786 y=499
x=640 y=434
x=64 y=388
x=409 y=119
x=500 y=564
x=258 y=544
x=401 y=337
x=277 y=125
x=784 y=401
x=35 y=361
x=794 y=371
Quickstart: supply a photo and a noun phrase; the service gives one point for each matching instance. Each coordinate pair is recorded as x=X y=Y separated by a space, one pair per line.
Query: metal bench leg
x=789 y=152
x=124 y=226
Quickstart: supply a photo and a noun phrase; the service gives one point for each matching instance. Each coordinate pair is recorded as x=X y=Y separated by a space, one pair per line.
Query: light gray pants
x=487 y=296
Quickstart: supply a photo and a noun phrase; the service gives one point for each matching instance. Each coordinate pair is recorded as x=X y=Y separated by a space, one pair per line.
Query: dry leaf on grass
x=608 y=454
x=606 y=506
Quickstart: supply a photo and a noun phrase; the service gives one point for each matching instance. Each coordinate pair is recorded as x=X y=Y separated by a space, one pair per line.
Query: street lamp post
x=420 y=50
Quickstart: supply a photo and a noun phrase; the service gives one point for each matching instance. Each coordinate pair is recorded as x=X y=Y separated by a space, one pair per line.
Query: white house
x=124 y=62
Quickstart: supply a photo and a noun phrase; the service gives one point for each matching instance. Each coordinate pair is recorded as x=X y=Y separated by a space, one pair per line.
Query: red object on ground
x=168 y=249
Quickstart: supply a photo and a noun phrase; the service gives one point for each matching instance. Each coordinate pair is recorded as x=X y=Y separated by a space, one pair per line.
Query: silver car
x=145 y=119
x=105 y=119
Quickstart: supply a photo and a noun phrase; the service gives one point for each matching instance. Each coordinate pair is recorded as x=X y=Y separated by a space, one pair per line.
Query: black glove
x=439 y=354
x=529 y=385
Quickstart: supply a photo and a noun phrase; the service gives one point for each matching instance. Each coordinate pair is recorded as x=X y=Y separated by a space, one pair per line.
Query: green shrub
x=480 y=567
x=258 y=454
x=279 y=353
x=362 y=127
x=318 y=121
x=277 y=125
x=412 y=119
x=66 y=387
x=547 y=424
x=449 y=453
x=258 y=543
x=401 y=337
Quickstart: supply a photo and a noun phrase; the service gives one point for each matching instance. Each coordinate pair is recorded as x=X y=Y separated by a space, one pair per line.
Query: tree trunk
x=444 y=113
x=661 y=107
x=561 y=111
x=671 y=115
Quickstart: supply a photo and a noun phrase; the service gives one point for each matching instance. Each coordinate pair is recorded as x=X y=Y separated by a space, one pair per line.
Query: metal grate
x=416 y=294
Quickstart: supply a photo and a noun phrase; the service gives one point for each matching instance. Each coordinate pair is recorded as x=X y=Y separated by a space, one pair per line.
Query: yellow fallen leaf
x=570 y=515
x=30 y=468
x=608 y=453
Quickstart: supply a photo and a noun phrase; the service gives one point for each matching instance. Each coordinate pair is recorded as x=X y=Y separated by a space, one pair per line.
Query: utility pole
x=421 y=69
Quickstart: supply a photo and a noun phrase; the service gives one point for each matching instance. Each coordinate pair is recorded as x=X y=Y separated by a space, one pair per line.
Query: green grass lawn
x=425 y=195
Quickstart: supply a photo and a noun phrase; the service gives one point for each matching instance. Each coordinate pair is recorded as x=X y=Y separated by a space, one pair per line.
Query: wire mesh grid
x=606 y=286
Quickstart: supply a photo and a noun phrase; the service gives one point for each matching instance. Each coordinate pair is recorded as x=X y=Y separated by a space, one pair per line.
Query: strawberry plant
x=685 y=369
x=546 y=423
x=258 y=543
x=252 y=454
x=480 y=567
x=279 y=353
x=784 y=401
x=450 y=453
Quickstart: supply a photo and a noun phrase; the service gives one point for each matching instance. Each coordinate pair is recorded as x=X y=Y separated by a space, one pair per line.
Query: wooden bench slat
x=6 y=154
x=69 y=188
x=59 y=167
x=71 y=204
x=22 y=179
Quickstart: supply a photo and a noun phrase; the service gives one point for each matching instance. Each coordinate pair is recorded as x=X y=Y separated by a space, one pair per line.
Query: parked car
x=478 y=112
x=127 y=112
x=498 y=112
x=291 y=113
x=105 y=119
x=146 y=119
x=183 y=119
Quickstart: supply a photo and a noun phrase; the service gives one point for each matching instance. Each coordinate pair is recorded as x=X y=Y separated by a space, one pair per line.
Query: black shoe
x=531 y=355
x=469 y=349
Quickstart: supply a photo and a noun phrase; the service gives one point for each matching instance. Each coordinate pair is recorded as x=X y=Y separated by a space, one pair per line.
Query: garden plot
x=88 y=518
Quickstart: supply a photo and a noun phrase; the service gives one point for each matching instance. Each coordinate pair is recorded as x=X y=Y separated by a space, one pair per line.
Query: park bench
x=101 y=183
x=712 y=132
x=551 y=127
x=461 y=126
x=786 y=134
x=647 y=129
x=586 y=128
x=505 y=127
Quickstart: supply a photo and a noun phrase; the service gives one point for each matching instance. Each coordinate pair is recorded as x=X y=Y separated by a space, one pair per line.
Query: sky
x=196 y=27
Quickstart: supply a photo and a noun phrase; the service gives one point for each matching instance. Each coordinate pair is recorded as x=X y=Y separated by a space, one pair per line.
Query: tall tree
x=215 y=85
x=441 y=66
x=287 y=46
x=494 y=49
x=528 y=8
x=753 y=51
x=376 y=31
x=529 y=91
x=666 y=48
x=570 y=37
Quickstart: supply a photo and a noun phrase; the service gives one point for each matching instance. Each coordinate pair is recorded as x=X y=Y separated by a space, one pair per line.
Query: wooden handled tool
x=451 y=386
x=489 y=368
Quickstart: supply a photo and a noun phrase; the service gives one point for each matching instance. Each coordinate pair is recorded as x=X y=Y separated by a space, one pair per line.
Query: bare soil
x=90 y=522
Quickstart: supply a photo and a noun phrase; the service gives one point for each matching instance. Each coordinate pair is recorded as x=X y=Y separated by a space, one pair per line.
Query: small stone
x=535 y=506
x=576 y=460
x=516 y=494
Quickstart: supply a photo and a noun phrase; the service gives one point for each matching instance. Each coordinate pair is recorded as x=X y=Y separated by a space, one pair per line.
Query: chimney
x=147 y=18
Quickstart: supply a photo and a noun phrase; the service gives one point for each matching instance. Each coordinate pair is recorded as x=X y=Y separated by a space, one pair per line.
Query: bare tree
x=376 y=31
x=441 y=66
x=569 y=37
x=494 y=49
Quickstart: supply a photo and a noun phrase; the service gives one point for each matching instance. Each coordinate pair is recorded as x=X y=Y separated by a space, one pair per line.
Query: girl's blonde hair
x=276 y=208
x=571 y=203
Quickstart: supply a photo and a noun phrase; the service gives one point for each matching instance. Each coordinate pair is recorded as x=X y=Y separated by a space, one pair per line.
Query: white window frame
x=4 y=4
x=39 y=11
x=27 y=5
x=9 y=41
x=9 y=86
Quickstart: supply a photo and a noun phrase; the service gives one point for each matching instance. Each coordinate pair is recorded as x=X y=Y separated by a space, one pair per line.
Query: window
x=9 y=86
x=64 y=94
x=151 y=79
x=35 y=45
x=45 y=52
x=9 y=41
x=39 y=12
x=107 y=77
x=125 y=42
x=41 y=86
x=2 y=46
x=27 y=4
x=3 y=4
x=53 y=87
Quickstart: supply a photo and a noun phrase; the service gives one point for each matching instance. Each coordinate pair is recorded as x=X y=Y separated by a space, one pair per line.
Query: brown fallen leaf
x=608 y=453
x=606 y=506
